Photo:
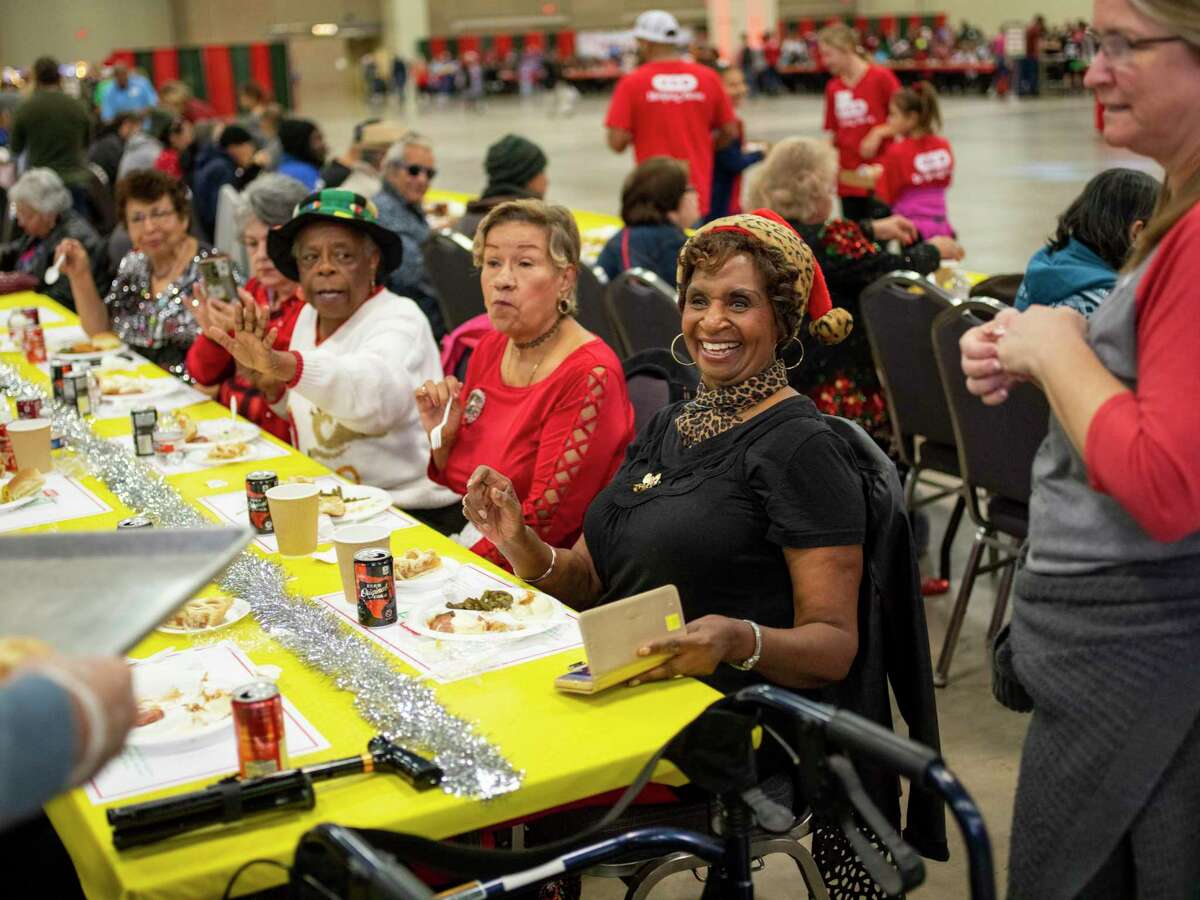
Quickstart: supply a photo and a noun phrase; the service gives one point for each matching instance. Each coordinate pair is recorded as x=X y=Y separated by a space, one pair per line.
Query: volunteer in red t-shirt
x=856 y=110
x=669 y=107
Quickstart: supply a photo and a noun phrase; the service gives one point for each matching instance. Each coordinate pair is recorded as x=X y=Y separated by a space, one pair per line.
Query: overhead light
x=324 y=29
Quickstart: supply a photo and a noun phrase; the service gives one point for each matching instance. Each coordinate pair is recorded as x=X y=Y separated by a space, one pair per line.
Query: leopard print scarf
x=714 y=411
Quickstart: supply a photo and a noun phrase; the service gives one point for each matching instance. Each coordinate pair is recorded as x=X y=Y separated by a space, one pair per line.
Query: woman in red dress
x=544 y=399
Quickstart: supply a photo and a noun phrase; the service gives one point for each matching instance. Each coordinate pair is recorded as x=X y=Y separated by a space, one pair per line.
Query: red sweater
x=1142 y=447
x=209 y=363
x=559 y=440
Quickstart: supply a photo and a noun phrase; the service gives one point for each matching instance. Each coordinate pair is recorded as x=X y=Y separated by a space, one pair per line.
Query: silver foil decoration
x=395 y=704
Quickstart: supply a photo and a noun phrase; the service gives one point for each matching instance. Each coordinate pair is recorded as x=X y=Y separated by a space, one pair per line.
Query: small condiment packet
x=216 y=483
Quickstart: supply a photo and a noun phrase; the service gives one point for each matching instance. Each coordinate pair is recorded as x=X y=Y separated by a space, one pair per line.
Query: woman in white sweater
x=357 y=354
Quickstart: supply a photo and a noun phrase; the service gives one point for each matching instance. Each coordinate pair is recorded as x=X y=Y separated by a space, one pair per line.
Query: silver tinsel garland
x=395 y=704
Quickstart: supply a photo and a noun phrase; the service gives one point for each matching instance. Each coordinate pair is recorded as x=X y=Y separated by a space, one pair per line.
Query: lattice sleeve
x=581 y=444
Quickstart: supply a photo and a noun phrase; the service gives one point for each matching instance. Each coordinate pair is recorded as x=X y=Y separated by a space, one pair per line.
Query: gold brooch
x=648 y=481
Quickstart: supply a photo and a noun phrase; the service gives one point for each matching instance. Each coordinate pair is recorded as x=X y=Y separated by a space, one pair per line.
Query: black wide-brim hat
x=345 y=208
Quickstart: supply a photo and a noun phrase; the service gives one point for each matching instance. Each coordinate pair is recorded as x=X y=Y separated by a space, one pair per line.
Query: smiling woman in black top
x=742 y=497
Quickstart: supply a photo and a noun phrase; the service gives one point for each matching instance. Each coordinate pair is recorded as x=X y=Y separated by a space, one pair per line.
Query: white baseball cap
x=657 y=26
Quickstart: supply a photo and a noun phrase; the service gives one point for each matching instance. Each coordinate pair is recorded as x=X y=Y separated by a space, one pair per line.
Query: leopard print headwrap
x=830 y=324
x=714 y=411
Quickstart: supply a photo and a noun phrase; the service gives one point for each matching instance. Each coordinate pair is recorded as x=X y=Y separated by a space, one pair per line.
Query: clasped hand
x=1010 y=349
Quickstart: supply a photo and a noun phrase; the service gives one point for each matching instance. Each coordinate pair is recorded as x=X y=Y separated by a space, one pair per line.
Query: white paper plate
x=183 y=672
x=433 y=580
x=147 y=388
x=18 y=504
x=221 y=432
x=53 y=351
x=417 y=622
x=203 y=460
x=234 y=614
x=374 y=501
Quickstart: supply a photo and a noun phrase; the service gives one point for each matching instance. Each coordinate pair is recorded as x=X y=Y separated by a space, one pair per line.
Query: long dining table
x=567 y=747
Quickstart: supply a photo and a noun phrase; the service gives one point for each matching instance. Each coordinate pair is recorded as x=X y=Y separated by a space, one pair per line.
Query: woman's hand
x=251 y=344
x=895 y=227
x=432 y=398
x=210 y=313
x=986 y=375
x=1024 y=339
x=709 y=641
x=491 y=505
x=947 y=247
x=75 y=262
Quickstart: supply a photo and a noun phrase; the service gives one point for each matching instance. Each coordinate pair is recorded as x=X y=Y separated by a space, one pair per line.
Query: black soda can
x=375 y=587
x=58 y=373
x=257 y=485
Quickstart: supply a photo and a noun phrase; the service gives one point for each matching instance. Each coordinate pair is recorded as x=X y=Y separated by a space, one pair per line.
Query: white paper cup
x=347 y=541
x=294 y=510
x=31 y=444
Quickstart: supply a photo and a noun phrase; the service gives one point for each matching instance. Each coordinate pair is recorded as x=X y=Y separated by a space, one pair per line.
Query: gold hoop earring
x=676 y=358
x=564 y=305
x=798 y=343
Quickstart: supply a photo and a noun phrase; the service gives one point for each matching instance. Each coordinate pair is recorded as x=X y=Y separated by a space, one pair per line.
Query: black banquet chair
x=451 y=268
x=999 y=287
x=655 y=379
x=643 y=311
x=590 y=287
x=898 y=312
x=996 y=447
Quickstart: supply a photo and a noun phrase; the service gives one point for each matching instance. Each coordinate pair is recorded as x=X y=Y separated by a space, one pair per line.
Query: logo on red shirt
x=675 y=87
x=933 y=165
x=850 y=110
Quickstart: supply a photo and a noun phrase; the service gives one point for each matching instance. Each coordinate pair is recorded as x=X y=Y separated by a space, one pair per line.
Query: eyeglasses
x=1118 y=48
x=415 y=171
x=158 y=215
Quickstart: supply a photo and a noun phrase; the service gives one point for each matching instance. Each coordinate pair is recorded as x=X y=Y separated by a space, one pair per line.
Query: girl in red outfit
x=544 y=399
x=856 y=111
x=915 y=171
x=267 y=202
x=176 y=138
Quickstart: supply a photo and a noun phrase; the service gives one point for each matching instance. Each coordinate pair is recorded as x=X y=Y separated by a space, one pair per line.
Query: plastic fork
x=435 y=436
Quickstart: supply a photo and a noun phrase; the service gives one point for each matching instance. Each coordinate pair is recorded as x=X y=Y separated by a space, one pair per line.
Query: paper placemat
x=62 y=499
x=193 y=461
x=447 y=661
x=137 y=771
x=232 y=508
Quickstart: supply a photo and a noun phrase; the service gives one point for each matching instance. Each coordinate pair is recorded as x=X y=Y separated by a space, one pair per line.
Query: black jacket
x=893 y=643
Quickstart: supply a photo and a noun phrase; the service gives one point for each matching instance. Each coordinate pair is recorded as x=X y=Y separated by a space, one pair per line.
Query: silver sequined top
x=160 y=327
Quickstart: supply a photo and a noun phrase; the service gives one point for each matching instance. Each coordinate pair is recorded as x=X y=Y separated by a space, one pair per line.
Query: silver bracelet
x=549 y=569
x=752 y=660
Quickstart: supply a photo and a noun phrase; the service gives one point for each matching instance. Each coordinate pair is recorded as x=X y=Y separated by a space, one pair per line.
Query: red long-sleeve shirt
x=1143 y=445
x=559 y=440
x=209 y=363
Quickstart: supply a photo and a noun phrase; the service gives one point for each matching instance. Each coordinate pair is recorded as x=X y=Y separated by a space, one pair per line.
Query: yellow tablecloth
x=585 y=219
x=569 y=747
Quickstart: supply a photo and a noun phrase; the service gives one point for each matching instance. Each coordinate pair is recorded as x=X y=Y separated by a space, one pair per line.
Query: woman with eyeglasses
x=1104 y=645
x=150 y=304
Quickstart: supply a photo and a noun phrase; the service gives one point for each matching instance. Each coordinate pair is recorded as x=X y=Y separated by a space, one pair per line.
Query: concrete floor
x=1019 y=163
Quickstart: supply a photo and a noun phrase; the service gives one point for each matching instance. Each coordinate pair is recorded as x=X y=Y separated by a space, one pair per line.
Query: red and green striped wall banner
x=562 y=42
x=214 y=72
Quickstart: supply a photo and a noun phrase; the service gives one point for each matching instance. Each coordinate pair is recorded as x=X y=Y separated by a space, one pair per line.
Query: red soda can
x=29 y=407
x=35 y=344
x=258 y=722
x=375 y=587
x=257 y=485
x=32 y=315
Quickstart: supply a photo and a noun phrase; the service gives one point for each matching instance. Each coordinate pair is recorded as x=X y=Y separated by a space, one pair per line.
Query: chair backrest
x=100 y=197
x=898 y=311
x=643 y=311
x=996 y=444
x=654 y=379
x=225 y=231
x=589 y=291
x=999 y=287
x=451 y=268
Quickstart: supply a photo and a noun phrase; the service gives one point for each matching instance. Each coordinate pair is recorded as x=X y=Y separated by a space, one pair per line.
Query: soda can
x=134 y=522
x=35 y=344
x=32 y=315
x=144 y=422
x=8 y=460
x=16 y=327
x=29 y=407
x=375 y=587
x=258 y=722
x=79 y=387
x=257 y=485
x=58 y=371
